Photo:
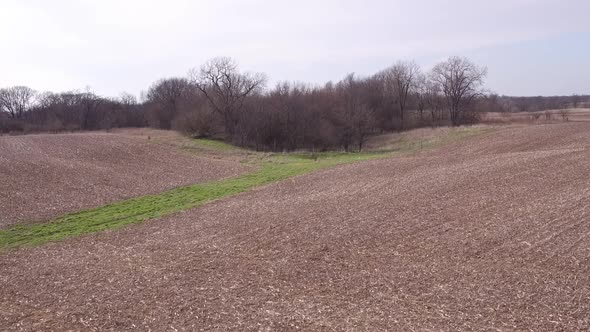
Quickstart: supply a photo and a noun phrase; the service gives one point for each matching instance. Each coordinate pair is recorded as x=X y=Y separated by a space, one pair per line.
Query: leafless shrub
x=548 y=115
x=197 y=122
x=565 y=113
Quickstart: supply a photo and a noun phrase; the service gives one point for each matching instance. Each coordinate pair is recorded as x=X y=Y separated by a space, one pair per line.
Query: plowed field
x=490 y=233
x=45 y=176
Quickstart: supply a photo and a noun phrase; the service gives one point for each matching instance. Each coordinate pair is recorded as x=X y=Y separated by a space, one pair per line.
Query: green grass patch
x=272 y=168
x=212 y=144
x=120 y=214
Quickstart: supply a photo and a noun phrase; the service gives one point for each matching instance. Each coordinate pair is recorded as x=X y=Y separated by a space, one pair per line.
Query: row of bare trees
x=25 y=110
x=218 y=100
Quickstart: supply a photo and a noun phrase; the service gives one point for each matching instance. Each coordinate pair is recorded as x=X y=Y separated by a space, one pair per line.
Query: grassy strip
x=273 y=168
x=139 y=209
x=215 y=145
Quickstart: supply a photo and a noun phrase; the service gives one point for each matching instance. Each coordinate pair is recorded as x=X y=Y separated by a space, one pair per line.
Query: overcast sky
x=531 y=47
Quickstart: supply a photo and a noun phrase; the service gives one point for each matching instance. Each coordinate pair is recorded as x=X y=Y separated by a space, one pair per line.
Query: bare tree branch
x=16 y=100
x=226 y=88
x=460 y=81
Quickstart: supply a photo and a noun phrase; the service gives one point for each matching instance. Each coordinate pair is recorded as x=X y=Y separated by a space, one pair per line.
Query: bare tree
x=355 y=117
x=165 y=97
x=16 y=100
x=428 y=95
x=348 y=91
x=435 y=102
x=565 y=114
x=421 y=95
x=89 y=104
x=127 y=99
x=288 y=100
x=548 y=115
x=226 y=88
x=132 y=112
x=378 y=101
x=575 y=100
x=401 y=79
x=461 y=81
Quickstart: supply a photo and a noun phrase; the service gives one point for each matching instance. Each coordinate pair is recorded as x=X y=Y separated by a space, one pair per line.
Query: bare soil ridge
x=48 y=175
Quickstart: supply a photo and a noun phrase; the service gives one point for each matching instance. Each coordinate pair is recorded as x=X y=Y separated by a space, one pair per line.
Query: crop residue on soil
x=45 y=176
x=490 y=233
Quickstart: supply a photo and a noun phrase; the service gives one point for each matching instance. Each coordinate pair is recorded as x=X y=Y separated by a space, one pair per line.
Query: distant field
x=577 y=114
x=44 y=176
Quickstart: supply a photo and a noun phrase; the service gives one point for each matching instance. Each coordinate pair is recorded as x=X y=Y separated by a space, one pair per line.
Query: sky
x=530 y=47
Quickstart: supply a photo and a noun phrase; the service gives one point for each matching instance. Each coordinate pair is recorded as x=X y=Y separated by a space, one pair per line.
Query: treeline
x=26 y=111
x=218 y=101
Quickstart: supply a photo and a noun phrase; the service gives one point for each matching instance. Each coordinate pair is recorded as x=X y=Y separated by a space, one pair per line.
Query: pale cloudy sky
x=530 y=47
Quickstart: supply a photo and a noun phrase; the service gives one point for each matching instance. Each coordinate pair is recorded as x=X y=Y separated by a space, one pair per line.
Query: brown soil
x=491 y=233
x=44 y=176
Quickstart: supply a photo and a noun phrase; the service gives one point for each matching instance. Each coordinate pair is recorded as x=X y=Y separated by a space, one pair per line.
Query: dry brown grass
x=422 y=138
x=575 y=115
x=487 y=234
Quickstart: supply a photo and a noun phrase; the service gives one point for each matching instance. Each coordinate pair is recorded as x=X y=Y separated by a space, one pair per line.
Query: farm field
x=350 y=166
x=578 y=114
x=481 y=232
x=47 y=175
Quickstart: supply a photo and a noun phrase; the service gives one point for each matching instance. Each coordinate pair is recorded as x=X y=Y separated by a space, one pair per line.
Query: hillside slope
x=490 y=233
x=47 y=175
